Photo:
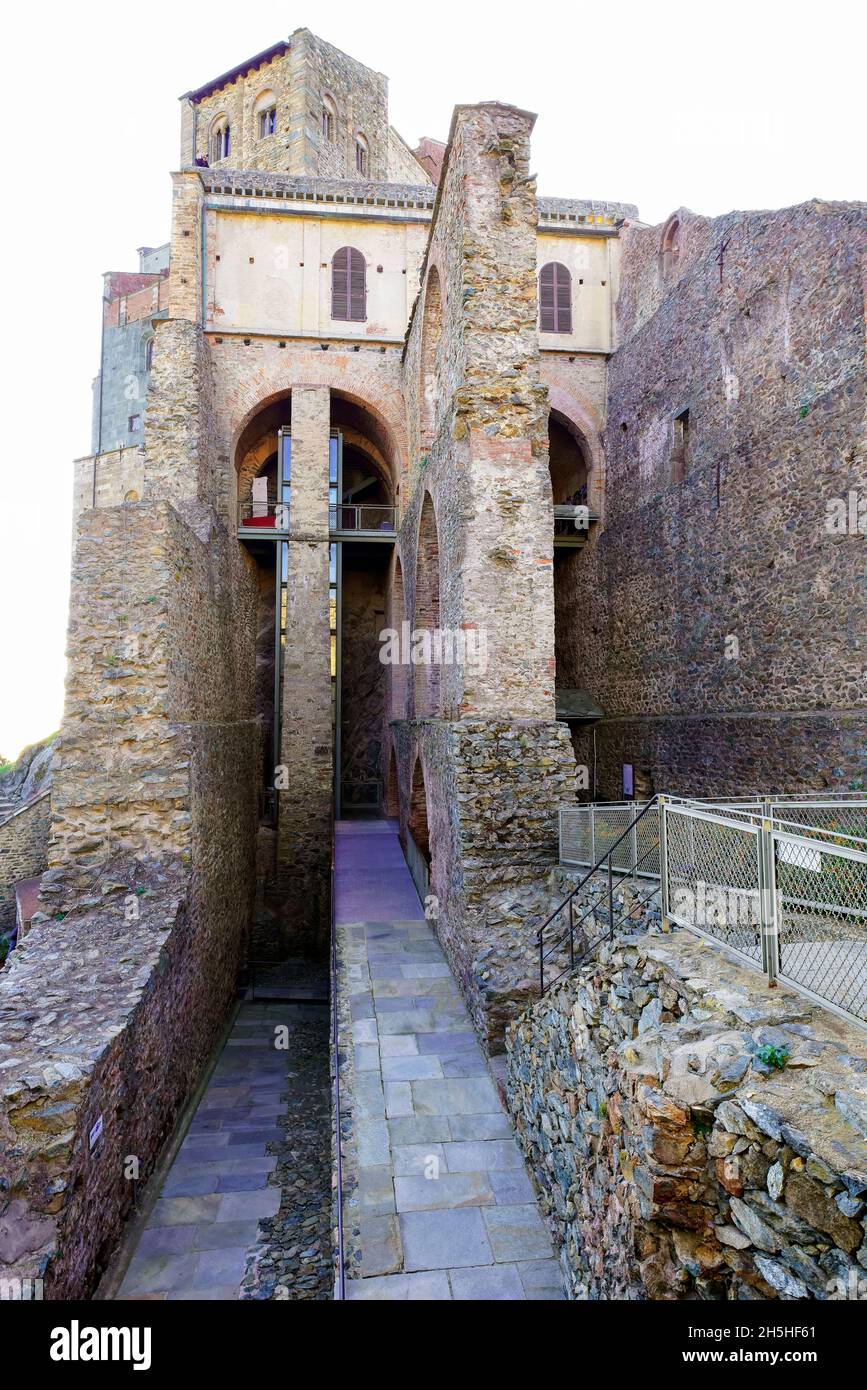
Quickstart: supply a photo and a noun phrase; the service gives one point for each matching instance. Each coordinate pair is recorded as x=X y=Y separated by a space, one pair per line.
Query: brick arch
x=418 y=821
x=430 y=365
x=386 y=408
x=582 y=423
x=391 y=800
x=252 y=464
x=426 y=608
x=399 y=688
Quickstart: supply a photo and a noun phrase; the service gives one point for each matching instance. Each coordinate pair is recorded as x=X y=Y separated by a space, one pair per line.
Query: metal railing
x=571 y=519
x=564 y=941
x=361 y=796
x=365 y=518
x=587 y=831
x=418 y=867
x=789 y=897
x=263 y=516
x=361 y=516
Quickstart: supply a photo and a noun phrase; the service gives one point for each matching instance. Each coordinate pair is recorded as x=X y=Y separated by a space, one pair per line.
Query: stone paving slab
x=205 y=1221
x=444 y=1208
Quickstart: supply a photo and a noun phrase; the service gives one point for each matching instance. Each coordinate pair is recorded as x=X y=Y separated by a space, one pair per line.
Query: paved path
x=444 y=1208
x=205 y=1222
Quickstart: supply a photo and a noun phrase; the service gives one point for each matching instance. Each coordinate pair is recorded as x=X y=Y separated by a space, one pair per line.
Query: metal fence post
x=768 y=899
x=610 y=900
x=663 y=865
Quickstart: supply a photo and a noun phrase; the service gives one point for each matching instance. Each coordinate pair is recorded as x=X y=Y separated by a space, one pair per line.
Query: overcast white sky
x=707 y=105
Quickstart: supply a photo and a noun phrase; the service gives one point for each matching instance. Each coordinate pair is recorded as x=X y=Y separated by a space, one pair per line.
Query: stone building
x=395 y=391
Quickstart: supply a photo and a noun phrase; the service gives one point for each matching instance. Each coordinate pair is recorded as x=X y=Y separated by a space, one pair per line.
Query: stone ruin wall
x=672 y=1162
x=113 y=1004
x=770 y=364
x=496 y=765
x=23 y=851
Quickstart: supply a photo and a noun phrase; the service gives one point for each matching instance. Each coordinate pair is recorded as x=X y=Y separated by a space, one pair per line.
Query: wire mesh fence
x=714 y=877
x=782 y=881
x=820 y=896
x=587 y=833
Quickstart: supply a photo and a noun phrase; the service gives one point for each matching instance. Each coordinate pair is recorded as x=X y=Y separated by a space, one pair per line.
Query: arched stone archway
x=430 y=384
x=376 y=393
x=399 y=688
x=417 y=819
x=426 y=616
x=580 y=422
x=391 y=798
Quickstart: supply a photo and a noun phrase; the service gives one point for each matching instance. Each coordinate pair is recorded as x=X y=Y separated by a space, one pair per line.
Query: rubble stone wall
x=493 y=790
x=23 y=850
x=674 y=1157
x=722 y=617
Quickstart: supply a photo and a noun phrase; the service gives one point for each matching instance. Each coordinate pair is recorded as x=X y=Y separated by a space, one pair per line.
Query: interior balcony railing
x=572 y=522
x=346 y=520
x=373 y=520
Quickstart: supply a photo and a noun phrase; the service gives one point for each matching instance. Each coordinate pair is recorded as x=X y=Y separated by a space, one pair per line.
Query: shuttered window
x=348 y=285
x=555 y=298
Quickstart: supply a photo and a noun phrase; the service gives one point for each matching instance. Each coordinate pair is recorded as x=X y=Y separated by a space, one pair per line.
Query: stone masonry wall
x=299 y=78
x=495 y=764
x=158 y=642
x=722 y=620
x=106 y=1017
x=493 y=790
x=23 y=850
x=673 y=1158
x=114 y=1004
x=111 y=1008
x=115 y=475
x=485 y=461
x=306 y=804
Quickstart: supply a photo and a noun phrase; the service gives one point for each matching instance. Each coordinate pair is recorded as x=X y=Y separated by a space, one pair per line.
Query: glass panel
x=285 y=471
x=333 y=456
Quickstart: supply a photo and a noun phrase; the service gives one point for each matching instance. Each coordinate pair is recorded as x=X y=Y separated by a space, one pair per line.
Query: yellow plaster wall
x=273 y=274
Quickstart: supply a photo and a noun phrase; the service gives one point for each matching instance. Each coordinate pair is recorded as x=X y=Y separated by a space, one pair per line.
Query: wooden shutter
x=357 y=287
x=349 y=285
x=555 y=298
x=340 y=284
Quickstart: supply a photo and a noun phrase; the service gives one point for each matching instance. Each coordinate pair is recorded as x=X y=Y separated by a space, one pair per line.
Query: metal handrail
x=271 y=516
x=335 y=1043
x=594 y=907
x=349 y=516
x=606 y=860
x=574 y=927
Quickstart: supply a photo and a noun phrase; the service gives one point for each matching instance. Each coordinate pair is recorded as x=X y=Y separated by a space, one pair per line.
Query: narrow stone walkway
x=244 y=1211
x=438 y=1202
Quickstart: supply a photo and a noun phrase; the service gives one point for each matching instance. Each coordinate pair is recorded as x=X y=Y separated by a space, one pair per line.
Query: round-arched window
x=329 y=119
x=220 y=143
x=265 y=115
